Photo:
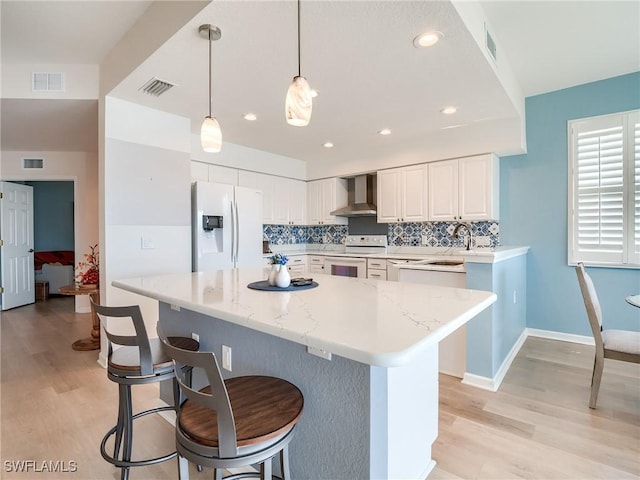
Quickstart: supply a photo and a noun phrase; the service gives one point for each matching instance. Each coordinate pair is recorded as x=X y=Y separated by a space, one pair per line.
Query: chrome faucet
x=468 y=227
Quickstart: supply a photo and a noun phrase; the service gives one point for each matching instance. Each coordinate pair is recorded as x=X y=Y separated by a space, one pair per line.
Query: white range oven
x=354 y=266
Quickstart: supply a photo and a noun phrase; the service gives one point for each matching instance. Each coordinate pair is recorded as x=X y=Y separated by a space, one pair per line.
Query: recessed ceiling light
x=314 y=93
x=449 y=110
x=327 y=145
x=427 y=39
x=251 y=117
x=384 y=131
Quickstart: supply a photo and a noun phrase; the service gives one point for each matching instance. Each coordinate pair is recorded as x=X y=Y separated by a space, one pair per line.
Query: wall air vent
x=47 y=82
x=156 y=87
x=491 y=45
x=33 y=163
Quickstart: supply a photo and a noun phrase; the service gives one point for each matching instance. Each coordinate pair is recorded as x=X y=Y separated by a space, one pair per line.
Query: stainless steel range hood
x=363 y=199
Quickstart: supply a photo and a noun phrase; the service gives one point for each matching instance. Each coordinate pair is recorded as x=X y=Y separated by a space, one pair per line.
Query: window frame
x=629 y=256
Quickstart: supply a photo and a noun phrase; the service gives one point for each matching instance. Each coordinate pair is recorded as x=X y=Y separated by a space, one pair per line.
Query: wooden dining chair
x=623 y=345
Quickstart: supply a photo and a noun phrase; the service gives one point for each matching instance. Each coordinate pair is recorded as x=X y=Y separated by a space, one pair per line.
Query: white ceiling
x=358 y=55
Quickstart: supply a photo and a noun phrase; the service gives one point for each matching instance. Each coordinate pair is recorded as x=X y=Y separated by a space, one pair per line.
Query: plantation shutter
x=599 y=223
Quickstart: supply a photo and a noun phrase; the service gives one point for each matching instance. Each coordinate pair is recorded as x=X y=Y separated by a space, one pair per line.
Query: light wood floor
x=57 y=403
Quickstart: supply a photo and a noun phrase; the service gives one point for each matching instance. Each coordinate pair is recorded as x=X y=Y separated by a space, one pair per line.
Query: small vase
x=283 y=279
x=271 y=279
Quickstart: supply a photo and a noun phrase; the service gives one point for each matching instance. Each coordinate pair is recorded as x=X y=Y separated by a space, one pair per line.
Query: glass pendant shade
x=211 y=135
x=299 y=102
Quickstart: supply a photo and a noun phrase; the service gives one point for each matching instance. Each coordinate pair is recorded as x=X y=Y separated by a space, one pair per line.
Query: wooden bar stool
x=139 y=360
x=232 y=423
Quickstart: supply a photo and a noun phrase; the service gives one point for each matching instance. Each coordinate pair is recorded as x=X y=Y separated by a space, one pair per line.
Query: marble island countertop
x=373 y=322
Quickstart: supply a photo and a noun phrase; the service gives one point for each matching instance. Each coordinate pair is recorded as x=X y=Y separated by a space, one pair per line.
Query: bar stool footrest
x=135 y=463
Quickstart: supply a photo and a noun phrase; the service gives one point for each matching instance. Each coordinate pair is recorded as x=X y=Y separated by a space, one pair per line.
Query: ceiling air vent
x=47 y=82
x=491 y=45
x=156 y=87
x=33 y=163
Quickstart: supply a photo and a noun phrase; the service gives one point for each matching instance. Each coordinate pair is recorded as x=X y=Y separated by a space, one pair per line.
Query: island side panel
x=404 y=417
x=332 y=440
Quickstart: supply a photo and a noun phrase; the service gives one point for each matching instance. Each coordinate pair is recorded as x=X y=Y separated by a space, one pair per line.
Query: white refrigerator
x=226 y=227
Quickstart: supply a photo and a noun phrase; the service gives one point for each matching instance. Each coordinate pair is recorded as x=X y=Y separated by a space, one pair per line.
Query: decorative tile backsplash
x=438 y=234
x=292 y=234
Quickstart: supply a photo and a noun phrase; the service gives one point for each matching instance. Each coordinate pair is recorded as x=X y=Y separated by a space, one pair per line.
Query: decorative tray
x=297 y=284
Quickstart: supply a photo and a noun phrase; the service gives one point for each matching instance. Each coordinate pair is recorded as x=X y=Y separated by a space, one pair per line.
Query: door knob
x=31 y=250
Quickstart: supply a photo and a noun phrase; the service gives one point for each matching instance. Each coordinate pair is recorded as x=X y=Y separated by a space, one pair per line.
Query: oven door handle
x=343 y=260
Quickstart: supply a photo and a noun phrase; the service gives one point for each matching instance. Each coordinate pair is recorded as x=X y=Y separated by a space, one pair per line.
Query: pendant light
x=299 y=101
x=210 y=133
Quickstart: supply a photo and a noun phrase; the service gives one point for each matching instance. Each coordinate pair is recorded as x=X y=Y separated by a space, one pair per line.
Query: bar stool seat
x=236 y=422
x=263 y=408
x=139 y=360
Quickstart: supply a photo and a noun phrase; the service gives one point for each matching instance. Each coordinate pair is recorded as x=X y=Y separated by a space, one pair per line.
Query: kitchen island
x=363 y=352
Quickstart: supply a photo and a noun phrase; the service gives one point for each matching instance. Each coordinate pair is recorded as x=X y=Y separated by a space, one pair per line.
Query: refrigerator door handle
x=234 y=233
x=237 y=235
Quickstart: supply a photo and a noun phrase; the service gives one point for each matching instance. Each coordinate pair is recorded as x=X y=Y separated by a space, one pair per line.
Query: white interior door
x=16 y=253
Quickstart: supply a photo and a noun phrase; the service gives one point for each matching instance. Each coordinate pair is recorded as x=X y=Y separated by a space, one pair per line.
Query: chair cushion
x=622 y=341
x=128 y=358
x=263 y=408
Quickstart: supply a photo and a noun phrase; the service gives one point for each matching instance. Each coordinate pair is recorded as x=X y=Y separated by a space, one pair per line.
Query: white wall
x=79 y=167
x=81 y=81
x=145 y=175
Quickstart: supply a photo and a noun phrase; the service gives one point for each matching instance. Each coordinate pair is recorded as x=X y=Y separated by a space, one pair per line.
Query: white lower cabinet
x=316 y=263
x=297 y=265
x=376 y=269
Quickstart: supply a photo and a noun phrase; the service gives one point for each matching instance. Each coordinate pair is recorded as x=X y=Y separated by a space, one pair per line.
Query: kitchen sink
x=450 y=263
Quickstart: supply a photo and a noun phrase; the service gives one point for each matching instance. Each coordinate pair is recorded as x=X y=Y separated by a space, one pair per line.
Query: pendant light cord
x=299 y=39
x=210 y=74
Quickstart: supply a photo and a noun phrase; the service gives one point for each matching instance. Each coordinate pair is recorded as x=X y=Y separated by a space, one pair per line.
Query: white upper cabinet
x=199 y=172
x=443 y=191
x=262 y=182
x=402 y=194
x=218 y=174
x=204 y=172
x=289 y=201
x=325 y=196
x=464 y=189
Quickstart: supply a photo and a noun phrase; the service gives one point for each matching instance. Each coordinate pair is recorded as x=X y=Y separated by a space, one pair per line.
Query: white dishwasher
x=452 y=350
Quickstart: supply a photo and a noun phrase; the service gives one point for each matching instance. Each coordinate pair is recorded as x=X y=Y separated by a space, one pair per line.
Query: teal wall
x=492 y=334
x=52 y=215
x=533 y=197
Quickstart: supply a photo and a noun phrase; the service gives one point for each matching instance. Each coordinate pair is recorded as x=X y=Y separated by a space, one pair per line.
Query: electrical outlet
x=226 y=357
x=196 y=337
x=482 y=241
x=425 y=239
x=318 y=352
x=515 y=297
x=175 y=308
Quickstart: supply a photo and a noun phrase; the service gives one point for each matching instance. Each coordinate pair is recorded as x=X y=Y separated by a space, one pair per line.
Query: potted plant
x=87 y=272
x=279 y=275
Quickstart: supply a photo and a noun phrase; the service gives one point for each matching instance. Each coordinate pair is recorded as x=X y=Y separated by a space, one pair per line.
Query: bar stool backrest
x=140 y=339
x=217 y=400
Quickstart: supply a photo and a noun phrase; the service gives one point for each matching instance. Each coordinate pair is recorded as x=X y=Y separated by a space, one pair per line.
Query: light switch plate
x=147 y=243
